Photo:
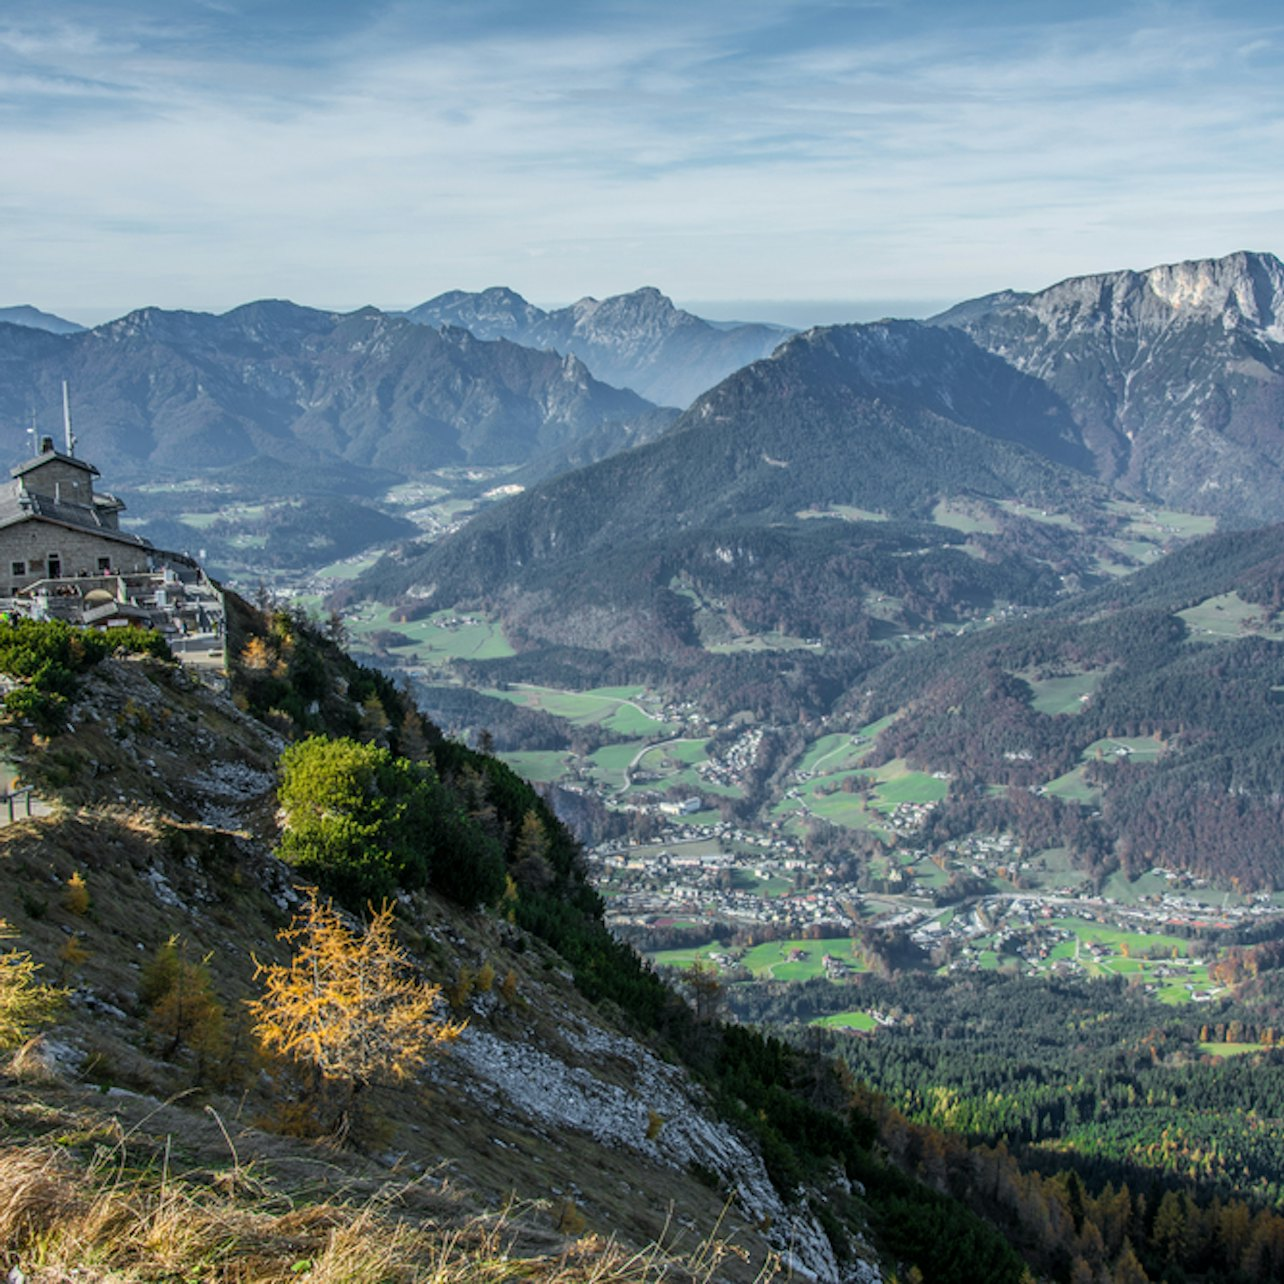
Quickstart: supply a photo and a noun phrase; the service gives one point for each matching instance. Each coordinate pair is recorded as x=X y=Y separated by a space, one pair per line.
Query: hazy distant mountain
x=273 y=383
x=1175 y=375
x=638 y=340
x=34 y=319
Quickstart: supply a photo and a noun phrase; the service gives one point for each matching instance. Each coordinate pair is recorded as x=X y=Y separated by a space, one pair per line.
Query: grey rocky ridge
x=1175 y=375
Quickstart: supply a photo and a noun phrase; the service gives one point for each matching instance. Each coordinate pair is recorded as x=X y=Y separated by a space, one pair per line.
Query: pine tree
x=183 y=1010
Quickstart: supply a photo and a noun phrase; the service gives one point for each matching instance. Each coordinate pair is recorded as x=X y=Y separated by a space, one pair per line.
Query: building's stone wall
x=32 y=542
x=61 y=481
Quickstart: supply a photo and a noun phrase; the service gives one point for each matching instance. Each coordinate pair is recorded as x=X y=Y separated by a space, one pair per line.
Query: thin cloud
x=343 y=155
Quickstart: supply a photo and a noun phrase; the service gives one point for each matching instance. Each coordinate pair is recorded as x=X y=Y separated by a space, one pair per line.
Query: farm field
x=1073 y=787
x=1225 y=618
x=846 y=512
x=762 y=642
x=1231 y=1049
x=1062 y=694
x=745 y=880
x=833 y=758
x=1173 y=976
x=349 y=568
x=897 y=783
x=770 y=961
x=1136 y=748
x=684 y=958
x=608 y=763
x=1090 y=933
x=846 y=1021
x=1161 y=523
x=965 y=517
x=1052 y=867
x=613 y=708
x=539 y=766
x=440 y=637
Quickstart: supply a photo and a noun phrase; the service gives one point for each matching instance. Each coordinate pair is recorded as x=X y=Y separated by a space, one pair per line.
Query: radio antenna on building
x=66 y=419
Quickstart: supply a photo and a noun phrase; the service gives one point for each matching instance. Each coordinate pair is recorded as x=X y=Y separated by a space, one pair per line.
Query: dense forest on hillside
x=1070 y=1086
x=1210 y=802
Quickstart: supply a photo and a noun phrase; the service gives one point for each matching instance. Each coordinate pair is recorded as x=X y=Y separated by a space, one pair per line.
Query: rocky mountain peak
x=631 y=322
x=1240 y=290
x=495 y=313
x=1174 y=374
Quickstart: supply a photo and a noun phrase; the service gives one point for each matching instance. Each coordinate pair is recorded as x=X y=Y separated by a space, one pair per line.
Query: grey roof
x=17 y=505
x=49 y=457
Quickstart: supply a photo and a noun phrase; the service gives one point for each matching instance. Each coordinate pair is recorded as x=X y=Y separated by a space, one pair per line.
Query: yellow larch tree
x=348 y=1007
x=25 y=1001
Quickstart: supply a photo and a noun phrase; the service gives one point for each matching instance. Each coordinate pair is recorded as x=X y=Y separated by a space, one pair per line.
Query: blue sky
x=848 y=152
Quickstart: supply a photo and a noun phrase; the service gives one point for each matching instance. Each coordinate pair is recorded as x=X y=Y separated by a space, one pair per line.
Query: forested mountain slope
x=1154 y=660
x=887 y=418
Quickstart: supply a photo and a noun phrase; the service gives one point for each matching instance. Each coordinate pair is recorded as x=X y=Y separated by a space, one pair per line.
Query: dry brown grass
x=108 y=1220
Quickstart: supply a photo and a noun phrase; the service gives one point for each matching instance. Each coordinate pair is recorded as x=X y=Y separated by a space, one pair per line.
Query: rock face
x=187 y=391
x=1175 y=375
x=514 y=1080
x=637 y=340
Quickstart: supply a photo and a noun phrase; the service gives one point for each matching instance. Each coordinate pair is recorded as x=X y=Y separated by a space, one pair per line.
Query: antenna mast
x=66 y=419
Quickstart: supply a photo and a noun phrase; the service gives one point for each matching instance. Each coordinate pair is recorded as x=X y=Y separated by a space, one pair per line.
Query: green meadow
x=847 y=1021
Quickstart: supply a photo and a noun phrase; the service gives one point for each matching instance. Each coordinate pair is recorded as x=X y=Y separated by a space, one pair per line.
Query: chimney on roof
x=46 y=445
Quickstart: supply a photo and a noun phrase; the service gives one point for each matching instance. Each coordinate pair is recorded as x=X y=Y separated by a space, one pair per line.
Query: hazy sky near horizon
x=344 y=152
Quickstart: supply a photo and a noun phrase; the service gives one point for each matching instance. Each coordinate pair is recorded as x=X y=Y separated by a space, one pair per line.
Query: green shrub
x=364 y=823
x=45 y=656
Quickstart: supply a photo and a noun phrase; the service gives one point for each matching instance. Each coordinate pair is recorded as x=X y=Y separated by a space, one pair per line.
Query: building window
x=104 y=563
x=55 y=566
x=19 y=568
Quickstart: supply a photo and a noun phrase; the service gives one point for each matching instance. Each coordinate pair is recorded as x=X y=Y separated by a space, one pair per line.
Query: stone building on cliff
x=64 y=556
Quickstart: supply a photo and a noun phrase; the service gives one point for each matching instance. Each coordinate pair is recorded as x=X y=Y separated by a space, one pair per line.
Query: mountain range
x=34 y=319
x=887 y=418
x=637 y=340
x=1163 y=385
x=307 y=400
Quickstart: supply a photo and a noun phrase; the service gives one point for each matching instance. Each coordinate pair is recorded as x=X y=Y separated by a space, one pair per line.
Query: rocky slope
x=637 y=340
x=1174 y=376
